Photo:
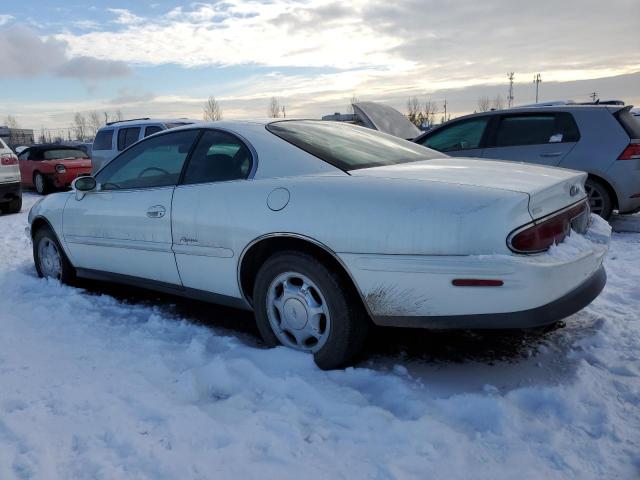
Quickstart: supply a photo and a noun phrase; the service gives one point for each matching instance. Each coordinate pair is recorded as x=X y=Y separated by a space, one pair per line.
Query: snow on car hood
x=549 y=188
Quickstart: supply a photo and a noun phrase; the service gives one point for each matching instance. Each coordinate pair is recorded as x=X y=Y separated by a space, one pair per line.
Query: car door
x=462 y=138
x=539 y=137
x=203 y=222
x=26 y=167
x=124 y=227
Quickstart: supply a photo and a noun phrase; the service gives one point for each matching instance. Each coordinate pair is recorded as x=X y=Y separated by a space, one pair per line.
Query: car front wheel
x=50 y=259
x=302 y=304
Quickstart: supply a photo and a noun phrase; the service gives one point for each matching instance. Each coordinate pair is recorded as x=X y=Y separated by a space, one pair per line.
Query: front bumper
x=417 y=291
x=9 y=191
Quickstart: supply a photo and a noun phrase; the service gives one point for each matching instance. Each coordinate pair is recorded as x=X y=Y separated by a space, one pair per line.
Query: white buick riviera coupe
x=324 y=228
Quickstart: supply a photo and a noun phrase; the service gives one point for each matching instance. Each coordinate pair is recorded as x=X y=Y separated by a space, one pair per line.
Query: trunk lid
x=72 y=163
x=549 y=189
x=385 y=119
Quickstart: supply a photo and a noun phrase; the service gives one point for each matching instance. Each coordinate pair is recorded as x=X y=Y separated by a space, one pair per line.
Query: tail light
x=8 y=159
x=632 y=152
x=550 y=230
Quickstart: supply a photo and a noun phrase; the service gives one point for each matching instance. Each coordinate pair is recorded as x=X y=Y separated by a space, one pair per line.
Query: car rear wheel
x=50 y=259
x=14 y=206
x=302 y=304
x=600 y=200
x=40 y=183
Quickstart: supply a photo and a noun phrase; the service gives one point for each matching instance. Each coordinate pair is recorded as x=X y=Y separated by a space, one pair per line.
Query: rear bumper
x=418 y=291
x=9 y=191
x=564 y=306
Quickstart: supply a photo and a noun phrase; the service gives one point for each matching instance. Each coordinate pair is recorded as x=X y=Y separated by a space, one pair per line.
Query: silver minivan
x=115 y=137
x=603 y=141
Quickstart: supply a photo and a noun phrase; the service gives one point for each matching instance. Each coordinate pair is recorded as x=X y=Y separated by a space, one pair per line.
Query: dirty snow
x=92 y=386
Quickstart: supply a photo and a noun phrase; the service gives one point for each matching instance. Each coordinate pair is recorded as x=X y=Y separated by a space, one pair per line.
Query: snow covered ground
x=97 y=386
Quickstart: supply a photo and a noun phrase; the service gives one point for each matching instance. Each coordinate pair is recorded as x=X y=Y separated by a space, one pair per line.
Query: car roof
x=146 y=121
x=52 y=146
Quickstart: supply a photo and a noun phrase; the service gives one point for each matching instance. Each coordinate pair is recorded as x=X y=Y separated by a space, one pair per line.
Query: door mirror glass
x=84 y=184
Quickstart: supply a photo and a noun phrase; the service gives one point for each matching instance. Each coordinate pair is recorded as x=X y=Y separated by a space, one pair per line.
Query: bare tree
x=498 y=102
x=12 y=122
x=273 y=111
x=106 y=117
x=119 y=116
x=414 y=110
x=95 y=122
x=429 y=110
x=484 y=104
x=212 y=110
x=80 y=122
x=354 y=99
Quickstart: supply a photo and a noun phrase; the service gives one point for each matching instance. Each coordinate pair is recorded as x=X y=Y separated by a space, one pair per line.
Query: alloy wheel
x=298 y=312
x=596 y=199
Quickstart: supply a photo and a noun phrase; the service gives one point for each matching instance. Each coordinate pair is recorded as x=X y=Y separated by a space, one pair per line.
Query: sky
x=165 y=58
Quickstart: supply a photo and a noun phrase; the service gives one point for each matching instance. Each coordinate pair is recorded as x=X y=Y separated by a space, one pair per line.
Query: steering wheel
x=150 y=169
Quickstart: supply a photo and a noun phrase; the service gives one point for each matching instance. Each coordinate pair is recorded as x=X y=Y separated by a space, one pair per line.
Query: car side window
x=156 y=162
x=463 y=135
x=103 y=140
x=535 y=129
x=218 y=157
x=127 y=137
x=24 y=155
x=151 y=130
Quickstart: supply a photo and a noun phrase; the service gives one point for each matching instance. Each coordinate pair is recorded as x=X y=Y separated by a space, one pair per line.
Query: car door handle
x=157 y=211
x=552 y=154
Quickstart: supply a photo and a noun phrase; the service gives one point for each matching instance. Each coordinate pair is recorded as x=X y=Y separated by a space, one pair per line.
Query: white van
x=115 y=137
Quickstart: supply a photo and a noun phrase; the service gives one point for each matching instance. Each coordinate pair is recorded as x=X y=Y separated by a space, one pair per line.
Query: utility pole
x=284 y=113
x=537 y=79
x=594 y=96
x=445 y=111
x=510 y=76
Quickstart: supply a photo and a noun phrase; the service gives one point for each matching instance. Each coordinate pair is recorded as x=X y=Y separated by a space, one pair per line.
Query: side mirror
x=84 y=184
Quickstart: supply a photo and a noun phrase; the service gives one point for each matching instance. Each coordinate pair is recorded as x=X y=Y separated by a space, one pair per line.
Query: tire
x=40 y=183
x=14 y=206
x=46 y=265
x=342 y=333
x=600 y=199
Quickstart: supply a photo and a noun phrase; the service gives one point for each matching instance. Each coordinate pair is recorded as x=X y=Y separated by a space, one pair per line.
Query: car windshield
x=63 y=153
x=349 y=147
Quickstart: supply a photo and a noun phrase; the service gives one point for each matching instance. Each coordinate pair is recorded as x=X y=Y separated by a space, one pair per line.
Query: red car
x=52 y=167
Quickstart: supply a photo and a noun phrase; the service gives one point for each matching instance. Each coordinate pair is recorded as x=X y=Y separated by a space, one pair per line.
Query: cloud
x=4 y=19
x=127 y=96
x=25 y=54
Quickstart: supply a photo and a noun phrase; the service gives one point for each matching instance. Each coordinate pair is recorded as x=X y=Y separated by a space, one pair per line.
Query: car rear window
x=103 y=140
x=349 y=147
x=61 y=153
x=630 y=125
x=127 y=137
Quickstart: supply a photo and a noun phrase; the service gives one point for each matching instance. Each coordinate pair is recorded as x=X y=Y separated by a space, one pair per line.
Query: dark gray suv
x=603 y=141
